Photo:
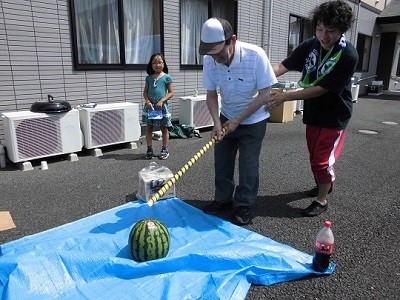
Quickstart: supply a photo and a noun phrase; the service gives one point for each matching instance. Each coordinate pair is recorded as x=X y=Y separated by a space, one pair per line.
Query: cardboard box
x=151 y=179
x=6 y=221
x=283 y=113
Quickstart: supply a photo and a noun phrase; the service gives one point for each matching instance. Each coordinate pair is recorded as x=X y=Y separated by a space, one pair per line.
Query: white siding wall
x=280 y=29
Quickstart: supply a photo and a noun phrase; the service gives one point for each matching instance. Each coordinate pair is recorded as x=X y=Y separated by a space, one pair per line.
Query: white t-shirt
x=249 y=71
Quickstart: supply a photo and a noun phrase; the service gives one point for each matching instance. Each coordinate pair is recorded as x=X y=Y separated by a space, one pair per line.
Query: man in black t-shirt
x=327 y=63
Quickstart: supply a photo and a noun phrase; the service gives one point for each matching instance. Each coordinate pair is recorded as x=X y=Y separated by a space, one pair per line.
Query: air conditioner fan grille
x=38 y=137
x=107 y=127
x=201 y=115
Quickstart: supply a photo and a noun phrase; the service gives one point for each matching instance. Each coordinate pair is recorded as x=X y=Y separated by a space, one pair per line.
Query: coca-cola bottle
x=323 y=248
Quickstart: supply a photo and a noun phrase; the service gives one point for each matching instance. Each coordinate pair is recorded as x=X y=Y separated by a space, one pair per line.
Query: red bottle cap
x=328 y=224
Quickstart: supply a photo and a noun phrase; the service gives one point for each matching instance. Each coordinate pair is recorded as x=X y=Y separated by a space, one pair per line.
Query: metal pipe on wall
x=271 y=4
x=356 y=27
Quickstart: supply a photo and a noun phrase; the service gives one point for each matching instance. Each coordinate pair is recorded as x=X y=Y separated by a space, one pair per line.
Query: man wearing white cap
x=244 y=75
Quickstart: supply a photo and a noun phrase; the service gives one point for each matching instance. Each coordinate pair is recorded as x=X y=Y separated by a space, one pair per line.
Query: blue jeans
x=247 y=139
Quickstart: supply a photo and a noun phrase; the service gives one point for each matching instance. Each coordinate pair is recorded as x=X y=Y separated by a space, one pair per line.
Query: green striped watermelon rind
x=149 y=239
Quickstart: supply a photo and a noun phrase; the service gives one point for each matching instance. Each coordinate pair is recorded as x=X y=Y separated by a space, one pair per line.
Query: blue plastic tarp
x=209 y=258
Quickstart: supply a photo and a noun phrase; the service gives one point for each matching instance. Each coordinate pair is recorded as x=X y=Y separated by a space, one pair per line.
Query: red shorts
x=324 y=147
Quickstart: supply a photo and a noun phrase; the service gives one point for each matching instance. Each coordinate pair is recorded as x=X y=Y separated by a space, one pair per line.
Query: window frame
x=361 y=56
x=303 y=26
x=119 y=66
x=210 y=15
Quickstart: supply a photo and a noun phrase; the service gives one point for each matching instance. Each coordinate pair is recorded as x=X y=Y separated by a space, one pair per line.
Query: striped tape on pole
x=183 y=170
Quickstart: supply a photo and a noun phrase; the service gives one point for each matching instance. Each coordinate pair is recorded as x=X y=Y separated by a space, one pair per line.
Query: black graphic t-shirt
x=334 y=108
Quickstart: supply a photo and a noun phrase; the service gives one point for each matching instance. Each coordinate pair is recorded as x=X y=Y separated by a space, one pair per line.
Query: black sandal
x=314 y=209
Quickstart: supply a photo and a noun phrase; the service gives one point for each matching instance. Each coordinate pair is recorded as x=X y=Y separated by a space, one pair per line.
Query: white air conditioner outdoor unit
x=30 y=135
x=107 y=124
x=193 y=111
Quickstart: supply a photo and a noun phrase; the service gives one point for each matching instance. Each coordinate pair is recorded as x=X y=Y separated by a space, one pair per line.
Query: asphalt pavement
x=364 y=206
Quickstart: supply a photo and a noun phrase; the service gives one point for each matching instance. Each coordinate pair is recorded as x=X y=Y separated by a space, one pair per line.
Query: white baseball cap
x=214 y=33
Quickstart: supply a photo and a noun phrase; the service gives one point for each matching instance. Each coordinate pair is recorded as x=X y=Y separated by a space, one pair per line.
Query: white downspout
x=356 y=27
x=271 y=4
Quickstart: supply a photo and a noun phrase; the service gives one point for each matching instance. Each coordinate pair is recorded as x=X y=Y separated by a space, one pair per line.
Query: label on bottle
x=324 y=248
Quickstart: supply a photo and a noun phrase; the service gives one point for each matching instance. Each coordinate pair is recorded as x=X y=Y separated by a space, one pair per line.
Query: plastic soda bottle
x=324 y=245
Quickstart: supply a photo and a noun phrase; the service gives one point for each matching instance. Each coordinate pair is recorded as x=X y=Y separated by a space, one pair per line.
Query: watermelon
x=148 y=240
